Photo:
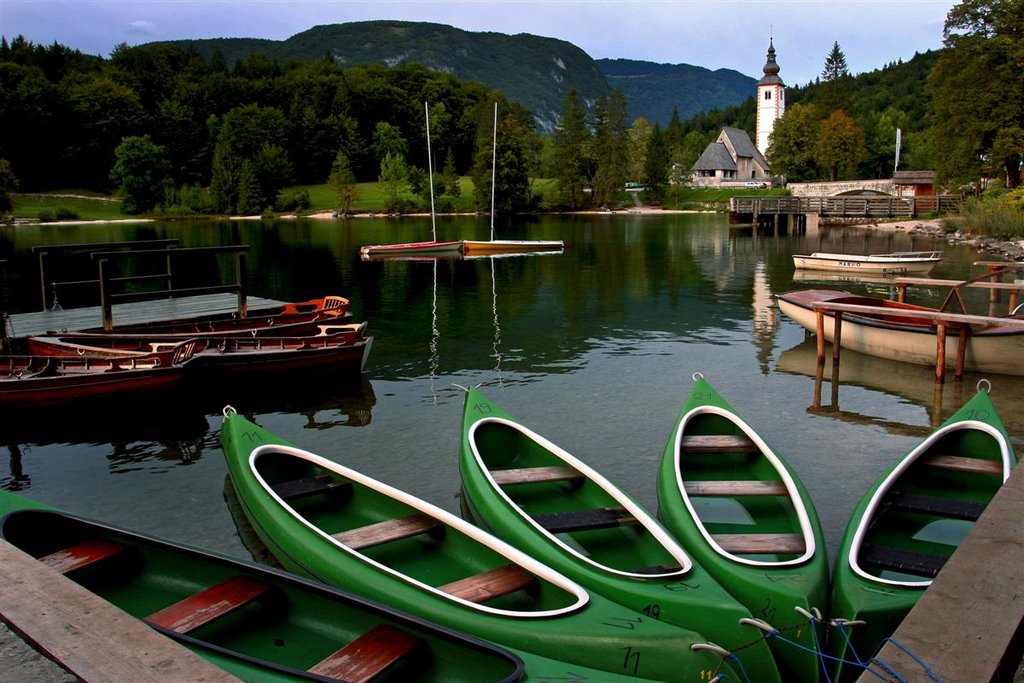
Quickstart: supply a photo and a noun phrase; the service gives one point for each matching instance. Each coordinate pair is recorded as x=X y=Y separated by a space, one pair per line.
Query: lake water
x=594 y=348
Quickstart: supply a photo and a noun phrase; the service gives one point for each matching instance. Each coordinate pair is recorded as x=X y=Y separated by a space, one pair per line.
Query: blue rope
x=906 y=651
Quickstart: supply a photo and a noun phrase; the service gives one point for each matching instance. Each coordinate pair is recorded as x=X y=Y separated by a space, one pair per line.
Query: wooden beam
x=534 y=475
x=983 y=320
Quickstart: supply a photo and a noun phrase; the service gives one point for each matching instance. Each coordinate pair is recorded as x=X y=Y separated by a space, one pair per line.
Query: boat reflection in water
x=913 y=383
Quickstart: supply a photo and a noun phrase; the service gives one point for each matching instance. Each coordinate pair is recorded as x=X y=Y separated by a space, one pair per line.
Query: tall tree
x=656 y=164
x=793 y=141
x=836 y=82
x=392 y=179
x=639 y=134
x=572 y=151
x=976 y=88
x=512 y=176
x=8 y=184
x=840 y=144
x=611 y=148
x=142 y=172
x=343 y=182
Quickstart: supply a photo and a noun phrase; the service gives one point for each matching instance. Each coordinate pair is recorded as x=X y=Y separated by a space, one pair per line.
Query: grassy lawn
x=89 y=206
x=85 y=205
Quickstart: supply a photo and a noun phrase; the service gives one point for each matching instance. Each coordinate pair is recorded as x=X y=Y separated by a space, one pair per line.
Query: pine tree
x=836 y=82
x=835 y=65
x=572 y=151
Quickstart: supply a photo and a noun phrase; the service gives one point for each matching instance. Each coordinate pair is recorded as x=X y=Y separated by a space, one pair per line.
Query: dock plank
x=28 y=324
x=85 y=634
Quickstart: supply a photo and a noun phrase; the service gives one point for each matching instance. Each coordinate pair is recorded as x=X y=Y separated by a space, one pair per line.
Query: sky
x=729 y=34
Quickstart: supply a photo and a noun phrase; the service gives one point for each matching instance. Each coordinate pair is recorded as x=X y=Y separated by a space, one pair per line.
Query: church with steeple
x=771 y=100
x=733 y=157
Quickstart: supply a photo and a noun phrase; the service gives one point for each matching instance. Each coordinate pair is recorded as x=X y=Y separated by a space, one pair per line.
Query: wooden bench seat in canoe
x=718 y=443
x=387 y=531
x=490 y=584
x=752 y=487
x=367 y=656
x=899 y=560
x=81 y=555
x=208 y=605
x=962 y=464
x=296 y=489
x=932 y=505
x=761 y=544
x=585 y=520
x=534 y=475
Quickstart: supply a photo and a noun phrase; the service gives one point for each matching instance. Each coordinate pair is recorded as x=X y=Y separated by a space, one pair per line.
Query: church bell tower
x=771 y=100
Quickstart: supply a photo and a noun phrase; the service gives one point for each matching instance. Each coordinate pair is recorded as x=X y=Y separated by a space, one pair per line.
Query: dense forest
x=171 y=127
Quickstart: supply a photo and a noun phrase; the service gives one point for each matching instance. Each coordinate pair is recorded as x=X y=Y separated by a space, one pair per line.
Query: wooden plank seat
x=388 y=531
x=657 y=569
x=585 y=520
x=367 y=656
x=309 y=486
x=962 y=464
x=490 y=584
x=932 y=505
x=761 y=544
x=773 y=487
x=207 y=605
x=717 y=443
x=897 y=559
x=534 y=475
x=81 y=555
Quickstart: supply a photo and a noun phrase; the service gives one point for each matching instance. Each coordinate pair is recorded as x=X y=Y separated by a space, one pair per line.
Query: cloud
x=143 y=29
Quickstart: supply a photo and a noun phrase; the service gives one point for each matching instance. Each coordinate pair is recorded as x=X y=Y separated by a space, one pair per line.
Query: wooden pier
x=794 y=210
x=969 y=624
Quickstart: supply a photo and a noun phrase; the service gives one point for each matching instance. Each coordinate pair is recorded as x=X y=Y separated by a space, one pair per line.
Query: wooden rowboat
x=549 y=504
x=896 y=263
x=432 y=248
x=909 y=523
x=898 y=334
x=339 y=526
x=29 y=382
x=490 y=247
x=743 y=514
x=253 y=621
x=338 y=347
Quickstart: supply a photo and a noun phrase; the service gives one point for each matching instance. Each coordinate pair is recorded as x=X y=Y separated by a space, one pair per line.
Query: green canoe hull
x=956 y=470
x=554 y=618
x=637 y=565
x=287 y=630
x=770 y=585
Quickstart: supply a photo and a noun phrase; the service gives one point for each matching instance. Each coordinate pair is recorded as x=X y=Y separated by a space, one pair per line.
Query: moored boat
x=909 y=523
x=29 y=382
x=253 y=621
x=991 y=345
x=743 y=514
x=896 y=263
x=488 y=247
x=551 y=505
x=429 y=248
x=337 y=347
x=344 y=528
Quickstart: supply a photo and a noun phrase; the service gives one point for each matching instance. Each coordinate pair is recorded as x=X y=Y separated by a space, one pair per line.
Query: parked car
x=757 y=184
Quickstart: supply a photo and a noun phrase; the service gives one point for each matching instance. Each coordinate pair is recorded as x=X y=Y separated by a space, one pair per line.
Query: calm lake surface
x=593 y=348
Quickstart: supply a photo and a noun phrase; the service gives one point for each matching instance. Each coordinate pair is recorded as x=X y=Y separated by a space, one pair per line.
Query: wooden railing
x=107 y=282
x=849 y=207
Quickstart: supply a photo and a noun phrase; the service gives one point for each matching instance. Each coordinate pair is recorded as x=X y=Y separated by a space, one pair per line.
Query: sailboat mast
x=430 y=171
x=494 y=165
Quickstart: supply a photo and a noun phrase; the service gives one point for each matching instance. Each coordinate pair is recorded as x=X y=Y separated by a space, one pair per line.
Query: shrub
x=63 y=213
x=46 y=216
x=994 y=218
x=295 y=200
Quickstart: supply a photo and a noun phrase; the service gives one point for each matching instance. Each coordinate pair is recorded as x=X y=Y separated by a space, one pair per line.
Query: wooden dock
x=969 y=624
x=85 y=634
x=27 y=324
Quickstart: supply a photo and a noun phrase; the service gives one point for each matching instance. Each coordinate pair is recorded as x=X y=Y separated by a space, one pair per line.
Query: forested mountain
x=534 y=71
x=653 y=90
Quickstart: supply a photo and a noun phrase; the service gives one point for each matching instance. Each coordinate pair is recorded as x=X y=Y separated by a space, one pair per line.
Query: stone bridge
x=884 y=186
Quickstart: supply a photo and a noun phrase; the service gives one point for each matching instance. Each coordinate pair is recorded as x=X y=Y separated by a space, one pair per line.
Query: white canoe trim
x=803 y=517
x=893 y=477
x=445 y=517
x=645 y=520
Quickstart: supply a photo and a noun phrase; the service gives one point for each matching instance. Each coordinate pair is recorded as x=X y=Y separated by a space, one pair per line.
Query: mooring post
x=837 y=337
x=961 y=351
x=105 y=305
x=940 y=352
x=820 y=326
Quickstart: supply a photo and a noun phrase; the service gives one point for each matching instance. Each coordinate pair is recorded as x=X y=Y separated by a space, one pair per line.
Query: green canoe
x=346 y=529
x=742 y=513
x=257 y=623
x=552 y=506
x=909 y=523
